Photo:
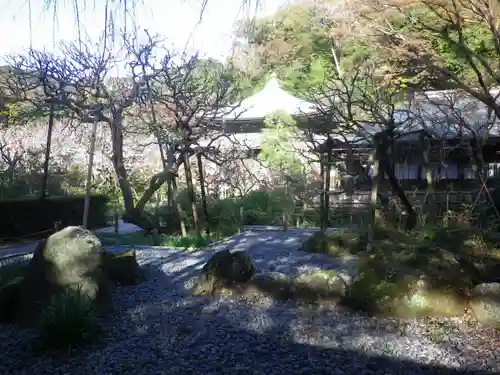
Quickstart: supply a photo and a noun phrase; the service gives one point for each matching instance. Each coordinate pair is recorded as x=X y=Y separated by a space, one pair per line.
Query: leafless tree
x=84 y=90
x=360 y=111
x=179 y=105
x=455 y=120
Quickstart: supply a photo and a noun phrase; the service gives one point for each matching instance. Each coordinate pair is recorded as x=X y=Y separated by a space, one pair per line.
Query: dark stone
x=224 y=268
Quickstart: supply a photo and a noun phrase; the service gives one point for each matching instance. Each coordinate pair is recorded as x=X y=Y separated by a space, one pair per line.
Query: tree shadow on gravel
x=277 y=251
x=158 y=329
x=174 y=334
x=224 y=339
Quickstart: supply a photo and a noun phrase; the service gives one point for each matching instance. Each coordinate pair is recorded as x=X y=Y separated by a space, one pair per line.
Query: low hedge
x=24 y=217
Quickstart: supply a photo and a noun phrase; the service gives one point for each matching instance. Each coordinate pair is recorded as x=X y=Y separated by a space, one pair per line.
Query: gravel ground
x=156 y=329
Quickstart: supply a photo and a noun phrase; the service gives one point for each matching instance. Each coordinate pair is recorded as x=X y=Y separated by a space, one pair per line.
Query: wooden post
x=178 y=208
x=375 y=181
x=88 y=186
x=328 y=174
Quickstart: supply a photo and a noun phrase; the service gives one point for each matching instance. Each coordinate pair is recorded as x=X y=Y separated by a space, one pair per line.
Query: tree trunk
x=375 y=178
x=429 y=199
x=165 y=163
x=88 y=185
x=192 y=196
x=286 y=211
x=170 y=194
x=386 y=166
x=354 y=167
x=118 y=163
x=203 y=194
x=180 y=212
x=322 y=194
x=134 y=213
x=411 y=220
x=327 y=176
x=44 y=192
x=478 y=166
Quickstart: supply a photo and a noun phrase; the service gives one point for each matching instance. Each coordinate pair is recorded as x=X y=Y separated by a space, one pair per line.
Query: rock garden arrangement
x=230 y=311
x=67 y=283
x=428 y=273
x=233 y=273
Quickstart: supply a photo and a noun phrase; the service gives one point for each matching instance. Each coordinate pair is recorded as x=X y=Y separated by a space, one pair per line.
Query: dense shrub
x=224 y=216
x=263 y=208
x=27 y=216
x=68 y=322
x=258 y=208
x=486 y=214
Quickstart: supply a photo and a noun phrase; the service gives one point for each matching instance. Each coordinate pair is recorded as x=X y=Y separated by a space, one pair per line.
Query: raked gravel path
x=157 y=329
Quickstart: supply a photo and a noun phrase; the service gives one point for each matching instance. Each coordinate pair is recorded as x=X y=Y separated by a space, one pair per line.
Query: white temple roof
x=270 y=99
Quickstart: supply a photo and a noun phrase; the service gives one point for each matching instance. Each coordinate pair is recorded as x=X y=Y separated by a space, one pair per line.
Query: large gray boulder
x=69 y=260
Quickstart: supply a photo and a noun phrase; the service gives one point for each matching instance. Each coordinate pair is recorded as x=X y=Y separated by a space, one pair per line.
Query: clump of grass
x=68 y=322
x=189 y=241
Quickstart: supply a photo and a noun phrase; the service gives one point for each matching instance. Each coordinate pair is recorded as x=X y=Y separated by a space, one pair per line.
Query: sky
x=176 y=20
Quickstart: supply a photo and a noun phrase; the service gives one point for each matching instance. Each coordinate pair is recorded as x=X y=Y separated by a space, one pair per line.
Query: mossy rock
x=233 y=267
x=276 y=285
x=312 y=287
x=405 y=286
x=315 y=243
x=322 y=285
x=336 y=244
x=123 y=268
x=69 y=259
x=224 y=268
x=429 y=271
x=206 y=285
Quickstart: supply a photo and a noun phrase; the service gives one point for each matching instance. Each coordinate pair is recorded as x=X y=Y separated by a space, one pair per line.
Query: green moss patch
x=336 y=244
x=313 y=287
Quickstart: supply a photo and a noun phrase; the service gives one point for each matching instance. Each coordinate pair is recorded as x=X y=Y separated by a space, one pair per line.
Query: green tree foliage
x=405 y=38
x=293 y=43
x=278 y=151
x=444 y=38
